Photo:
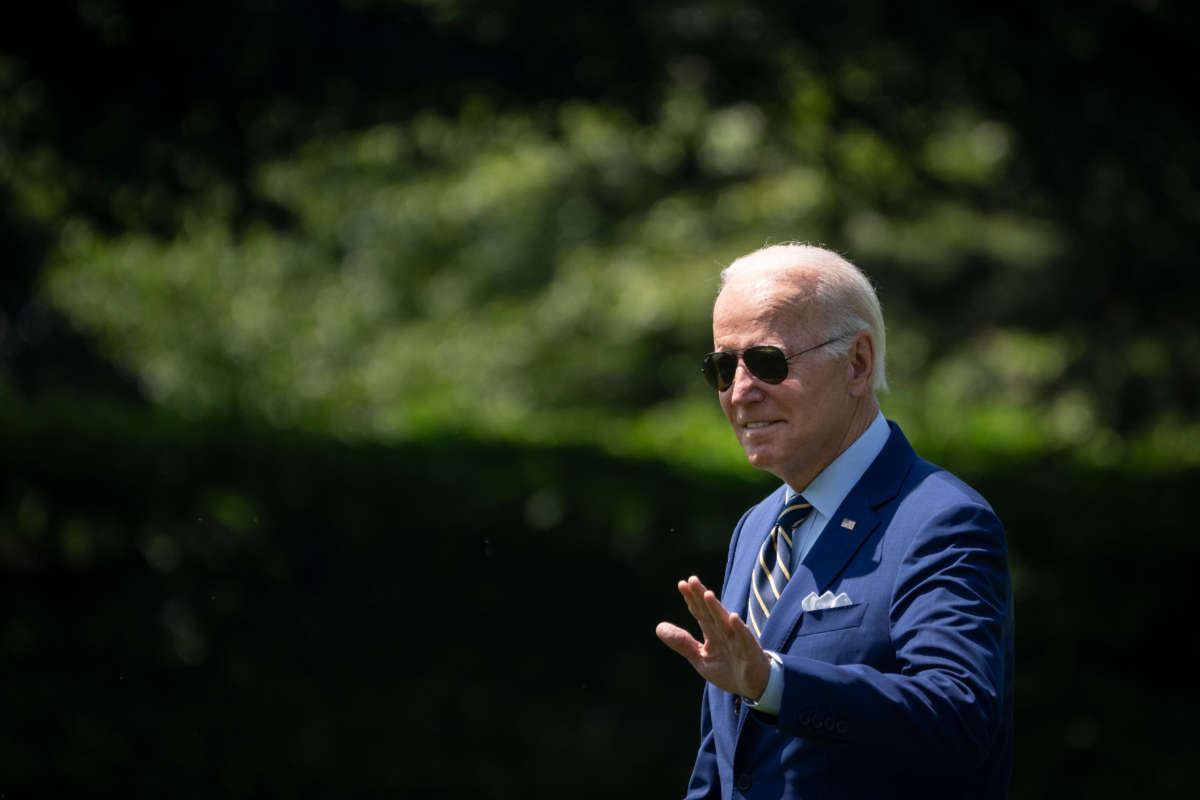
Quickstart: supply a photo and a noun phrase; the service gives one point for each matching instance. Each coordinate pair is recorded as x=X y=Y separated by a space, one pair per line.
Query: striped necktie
x=773 y=568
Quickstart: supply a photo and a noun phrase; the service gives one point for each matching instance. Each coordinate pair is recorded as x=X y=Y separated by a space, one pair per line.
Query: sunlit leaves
x=548 y=276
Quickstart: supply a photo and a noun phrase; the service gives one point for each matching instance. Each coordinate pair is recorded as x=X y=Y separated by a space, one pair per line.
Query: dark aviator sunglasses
x=766 y=362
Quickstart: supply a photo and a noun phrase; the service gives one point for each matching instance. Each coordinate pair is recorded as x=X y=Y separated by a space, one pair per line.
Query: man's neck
x=864 y=414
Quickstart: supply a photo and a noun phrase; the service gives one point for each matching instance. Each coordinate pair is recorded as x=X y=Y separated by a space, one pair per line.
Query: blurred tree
x=507 y=214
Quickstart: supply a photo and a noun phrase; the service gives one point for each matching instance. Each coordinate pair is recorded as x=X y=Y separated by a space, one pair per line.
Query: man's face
x=792 y=429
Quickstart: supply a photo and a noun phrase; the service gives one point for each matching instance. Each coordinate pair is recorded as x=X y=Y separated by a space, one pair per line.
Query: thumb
x=678 y=640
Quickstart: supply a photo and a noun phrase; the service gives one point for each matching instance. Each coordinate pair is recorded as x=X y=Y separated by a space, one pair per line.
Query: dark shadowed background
x=351 y=431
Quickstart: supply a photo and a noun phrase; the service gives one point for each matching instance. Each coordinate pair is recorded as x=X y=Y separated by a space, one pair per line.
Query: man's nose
x=745 y=387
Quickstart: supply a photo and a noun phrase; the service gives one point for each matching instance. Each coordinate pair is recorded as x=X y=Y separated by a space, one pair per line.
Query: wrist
x=771 y=664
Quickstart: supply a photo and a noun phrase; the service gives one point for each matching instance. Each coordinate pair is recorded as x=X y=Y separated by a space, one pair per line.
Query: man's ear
x=862 y=364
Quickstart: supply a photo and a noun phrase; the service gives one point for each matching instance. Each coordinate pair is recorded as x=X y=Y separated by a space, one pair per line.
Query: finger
x=692 y=588
x=718 y=639
x=701 y=593
x=693 y=594
x=755 y=665
x=689 y=598
x=697 y=586
x=684 y=589
x=743 y=638
x=716 y=611
x=678 y=640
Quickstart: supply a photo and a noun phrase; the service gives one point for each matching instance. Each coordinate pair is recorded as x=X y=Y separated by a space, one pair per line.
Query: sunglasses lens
x=719 y=369
x=766 y=363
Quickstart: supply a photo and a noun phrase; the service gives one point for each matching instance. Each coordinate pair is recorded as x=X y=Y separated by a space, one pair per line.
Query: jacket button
x=744 y=782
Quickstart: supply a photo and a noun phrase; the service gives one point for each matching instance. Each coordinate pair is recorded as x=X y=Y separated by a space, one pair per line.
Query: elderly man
x=862 y=643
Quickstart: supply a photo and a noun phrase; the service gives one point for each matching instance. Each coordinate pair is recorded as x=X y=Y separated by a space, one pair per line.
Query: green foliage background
x=301 y=303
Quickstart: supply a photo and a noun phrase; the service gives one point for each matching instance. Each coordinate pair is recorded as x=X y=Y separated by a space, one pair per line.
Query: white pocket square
x=827 y=600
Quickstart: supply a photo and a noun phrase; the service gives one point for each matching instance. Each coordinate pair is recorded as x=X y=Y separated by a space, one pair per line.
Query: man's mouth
x=753 y=426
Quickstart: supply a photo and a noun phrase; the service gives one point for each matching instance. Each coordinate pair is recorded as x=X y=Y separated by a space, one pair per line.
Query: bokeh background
x=352 y=436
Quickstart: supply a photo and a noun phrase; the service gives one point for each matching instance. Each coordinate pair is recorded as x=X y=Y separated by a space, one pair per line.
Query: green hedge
x=210 y=610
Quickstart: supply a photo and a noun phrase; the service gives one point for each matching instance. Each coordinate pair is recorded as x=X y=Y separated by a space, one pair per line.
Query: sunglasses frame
x=713 y=373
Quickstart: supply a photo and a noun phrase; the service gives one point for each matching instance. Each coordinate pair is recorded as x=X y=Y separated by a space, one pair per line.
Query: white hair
x=844 y=296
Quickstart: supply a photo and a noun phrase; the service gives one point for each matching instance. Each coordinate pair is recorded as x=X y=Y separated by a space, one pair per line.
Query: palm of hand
x=730 y=657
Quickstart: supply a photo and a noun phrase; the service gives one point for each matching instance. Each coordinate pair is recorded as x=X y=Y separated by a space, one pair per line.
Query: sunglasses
x=765 y=361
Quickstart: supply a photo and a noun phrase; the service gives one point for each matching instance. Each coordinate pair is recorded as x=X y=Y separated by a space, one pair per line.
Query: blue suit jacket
x=905 y=693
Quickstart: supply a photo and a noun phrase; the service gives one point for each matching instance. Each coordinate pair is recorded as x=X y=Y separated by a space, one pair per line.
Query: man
x=862 y=643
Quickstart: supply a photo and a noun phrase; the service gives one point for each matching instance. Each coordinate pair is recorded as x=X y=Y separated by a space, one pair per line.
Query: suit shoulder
x=932 y=482
x=934 y=499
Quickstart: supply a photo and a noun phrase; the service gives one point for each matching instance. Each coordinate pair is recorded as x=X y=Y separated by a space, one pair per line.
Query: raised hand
x=730 y=657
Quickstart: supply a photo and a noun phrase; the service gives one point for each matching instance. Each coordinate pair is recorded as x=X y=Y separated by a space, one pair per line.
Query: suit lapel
x=842 y=537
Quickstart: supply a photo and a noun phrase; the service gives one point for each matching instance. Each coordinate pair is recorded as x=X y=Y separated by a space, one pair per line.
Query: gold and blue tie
x=773 y=567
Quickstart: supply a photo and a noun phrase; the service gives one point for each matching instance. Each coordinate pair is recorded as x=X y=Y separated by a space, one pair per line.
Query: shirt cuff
x=772 y=696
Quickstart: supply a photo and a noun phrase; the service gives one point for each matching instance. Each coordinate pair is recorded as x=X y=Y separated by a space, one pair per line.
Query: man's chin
x=760 y=458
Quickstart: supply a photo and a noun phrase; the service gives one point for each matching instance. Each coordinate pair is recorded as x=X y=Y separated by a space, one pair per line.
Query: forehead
x=754 y=309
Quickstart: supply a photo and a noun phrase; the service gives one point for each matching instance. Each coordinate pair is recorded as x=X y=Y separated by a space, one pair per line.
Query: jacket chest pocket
x=835 y=635
x=823 y=620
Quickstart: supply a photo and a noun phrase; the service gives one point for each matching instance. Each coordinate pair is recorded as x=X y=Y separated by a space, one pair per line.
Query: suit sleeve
x=950 y=618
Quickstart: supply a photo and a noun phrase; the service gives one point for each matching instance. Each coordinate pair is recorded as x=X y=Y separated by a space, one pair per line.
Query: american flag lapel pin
x=848 y=524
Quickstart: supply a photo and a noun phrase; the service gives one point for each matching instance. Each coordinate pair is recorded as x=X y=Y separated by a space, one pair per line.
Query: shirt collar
x=827 y=491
